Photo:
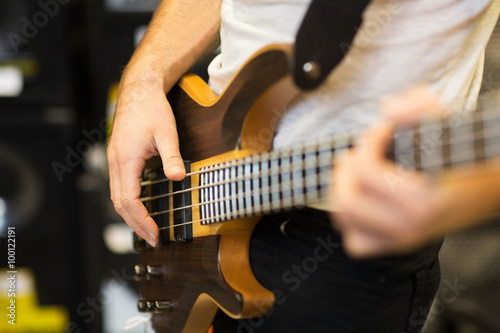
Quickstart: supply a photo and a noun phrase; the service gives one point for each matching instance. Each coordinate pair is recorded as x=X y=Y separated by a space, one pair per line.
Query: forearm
x=476 y=195
x=180 y=31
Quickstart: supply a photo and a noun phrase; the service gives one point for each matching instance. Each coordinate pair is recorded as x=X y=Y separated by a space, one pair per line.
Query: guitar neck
x=459 y=139
x=269 y=182
x=290 y=178
x=284 y=179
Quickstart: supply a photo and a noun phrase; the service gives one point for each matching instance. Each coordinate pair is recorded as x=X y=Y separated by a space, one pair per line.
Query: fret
x=211 y=197
x=492 y=140
x=429 y=156
x=298 y=174
x=214 y=190
x=445 y=142
x=478 y=136
x=286 y=181
x=325 y=154
x=234 y=201
x=422 y=147
x=248 y=187
x=275 y=182
x=404 y=153
x=266 y=183
x=240 y=190
x=221 y=192
x=203 y=196
x=311 y=174
x=227 y=190
x=491 y=131
x=257 y=186
x=462 y=144
x=325 y=166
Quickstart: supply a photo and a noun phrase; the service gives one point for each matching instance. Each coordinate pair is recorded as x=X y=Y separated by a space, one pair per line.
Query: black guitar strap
x=324 y=37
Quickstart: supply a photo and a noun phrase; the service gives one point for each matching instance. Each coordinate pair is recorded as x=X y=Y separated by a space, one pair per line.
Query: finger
x=343 y=186
x=370 y=229
x=373 y=143
x=115 y=189
x=167 y=144
x=370 y=215
x=364 y=194
x=125 y=176
x=364 y=245
x=378 y=174
x=411 y=105
x=129 y=205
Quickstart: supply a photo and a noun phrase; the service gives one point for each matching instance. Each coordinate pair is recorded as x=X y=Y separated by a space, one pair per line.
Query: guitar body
x=185 y=282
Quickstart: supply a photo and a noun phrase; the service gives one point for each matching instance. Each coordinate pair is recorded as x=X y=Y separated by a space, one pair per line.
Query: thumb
x=168 y=147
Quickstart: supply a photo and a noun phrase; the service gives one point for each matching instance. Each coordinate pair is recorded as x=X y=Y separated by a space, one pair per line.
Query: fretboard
x=289 y=178
x=299 y=176
x=269 y=182
x=433 y=146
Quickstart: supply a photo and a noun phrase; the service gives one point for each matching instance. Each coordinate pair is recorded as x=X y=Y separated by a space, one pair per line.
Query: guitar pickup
x=169 y=204
x=181 y=203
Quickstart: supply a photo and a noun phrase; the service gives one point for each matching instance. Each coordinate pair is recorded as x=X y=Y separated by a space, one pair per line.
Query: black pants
x=319 y=289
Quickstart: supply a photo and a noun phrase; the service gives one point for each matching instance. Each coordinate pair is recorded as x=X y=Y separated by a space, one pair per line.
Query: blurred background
x=60 y=61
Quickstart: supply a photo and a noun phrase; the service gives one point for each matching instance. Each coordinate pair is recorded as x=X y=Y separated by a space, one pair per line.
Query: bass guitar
x=233 y=177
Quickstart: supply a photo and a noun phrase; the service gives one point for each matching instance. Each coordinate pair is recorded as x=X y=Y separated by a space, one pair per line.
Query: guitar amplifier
x=35 y=67
x=38 y=205
x=113 y=29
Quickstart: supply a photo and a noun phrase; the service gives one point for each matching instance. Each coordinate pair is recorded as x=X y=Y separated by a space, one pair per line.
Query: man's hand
x=377 y=217
x=374 y=217
x=144 y=126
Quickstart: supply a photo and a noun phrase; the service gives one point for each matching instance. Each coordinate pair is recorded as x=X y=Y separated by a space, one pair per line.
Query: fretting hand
x=379 y=217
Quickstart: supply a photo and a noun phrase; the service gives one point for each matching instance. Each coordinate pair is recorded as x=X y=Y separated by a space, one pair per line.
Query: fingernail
x=152 y=238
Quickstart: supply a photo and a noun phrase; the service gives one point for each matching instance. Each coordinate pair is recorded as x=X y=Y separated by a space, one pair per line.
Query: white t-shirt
x=400 y=43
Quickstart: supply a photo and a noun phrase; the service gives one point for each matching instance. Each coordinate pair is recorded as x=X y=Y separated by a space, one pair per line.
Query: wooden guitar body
x=184 y=281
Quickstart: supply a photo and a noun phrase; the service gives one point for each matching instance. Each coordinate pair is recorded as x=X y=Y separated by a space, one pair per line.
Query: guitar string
x=464 y=138
x=323 y=145
x=222 y=217
x=238 y=213
x=261 y=192
x=423 y=129
x=243 y=213
x=456 y=141
x=270 y=172
x=273 y=172
x=264 y=190
x=228 y=217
